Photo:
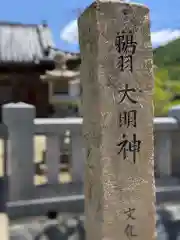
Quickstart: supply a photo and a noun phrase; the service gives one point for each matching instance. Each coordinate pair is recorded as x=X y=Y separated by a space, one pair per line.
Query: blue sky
x=60 y=15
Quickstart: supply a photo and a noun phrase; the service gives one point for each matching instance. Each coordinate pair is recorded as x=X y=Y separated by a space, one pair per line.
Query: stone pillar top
x=175 y=112
x=18 y=105
x=19 y=114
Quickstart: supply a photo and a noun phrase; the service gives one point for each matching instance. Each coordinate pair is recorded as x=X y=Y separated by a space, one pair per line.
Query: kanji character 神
x=129 y=146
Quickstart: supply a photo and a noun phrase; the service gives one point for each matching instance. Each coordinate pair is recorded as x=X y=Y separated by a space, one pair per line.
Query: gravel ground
x=62 y=228
x=69 y=227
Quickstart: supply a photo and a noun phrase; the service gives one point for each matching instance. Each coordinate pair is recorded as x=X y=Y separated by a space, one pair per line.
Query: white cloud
x=164 y=36
x=70 y=35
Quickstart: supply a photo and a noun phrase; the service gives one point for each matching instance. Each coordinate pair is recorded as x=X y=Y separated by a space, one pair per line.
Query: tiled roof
x=24 y=44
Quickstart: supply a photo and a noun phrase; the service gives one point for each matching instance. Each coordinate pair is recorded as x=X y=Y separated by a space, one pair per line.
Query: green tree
x=164 y=92
x=168 y=57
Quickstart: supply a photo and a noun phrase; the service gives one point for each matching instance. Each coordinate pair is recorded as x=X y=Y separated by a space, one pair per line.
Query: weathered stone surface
x=117 y=81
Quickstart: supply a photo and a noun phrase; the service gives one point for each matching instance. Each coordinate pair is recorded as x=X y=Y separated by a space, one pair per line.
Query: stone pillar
x=117 y=81
x=19 y=118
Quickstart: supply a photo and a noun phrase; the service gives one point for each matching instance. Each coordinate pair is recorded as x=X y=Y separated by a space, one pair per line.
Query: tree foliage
x=168 y=57
x=165 y=92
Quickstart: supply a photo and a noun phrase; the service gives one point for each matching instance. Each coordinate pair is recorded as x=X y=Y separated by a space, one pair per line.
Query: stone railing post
x=163 y=153
x=18 y=118
x=117 y=81
x=78 y=157
x=53 y=148
x=4 y=226
x=4 y=219
x=163 y=146
x=175 y=136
